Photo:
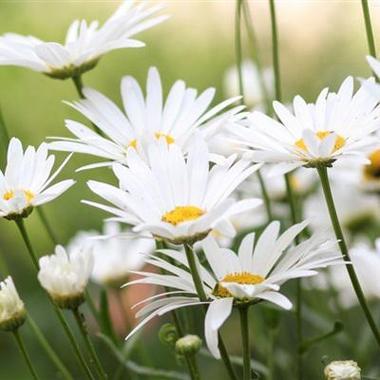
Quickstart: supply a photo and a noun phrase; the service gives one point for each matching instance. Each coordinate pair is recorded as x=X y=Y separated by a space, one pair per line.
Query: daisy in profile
x=172 y=197
x=26 y=181
x=337 y=126
x=144 y=118
x=254 y=274
x=115 y=255
x=85 y=42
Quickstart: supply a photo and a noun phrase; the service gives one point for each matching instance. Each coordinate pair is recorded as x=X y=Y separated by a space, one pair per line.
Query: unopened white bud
x=342 y=370
x=188 y=345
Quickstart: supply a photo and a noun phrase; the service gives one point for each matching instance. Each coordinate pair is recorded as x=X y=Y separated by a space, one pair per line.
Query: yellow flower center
x=169 y=139
x=242 y=278
x=321 y=135
x=182 y=214
x=29 y=196
x=132 y=144
x=8 y=195
x=372 y=171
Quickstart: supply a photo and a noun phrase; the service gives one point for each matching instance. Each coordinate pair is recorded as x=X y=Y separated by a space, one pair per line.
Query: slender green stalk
x=323 y=175
x=21 y=226
x=49 y=350
x=245 y=342
x=203 y=297
x=289 y=190
x=58 y=312
x=255 y=55
x=192 y=362
x=368 y=28
x=24 y=353
x=239 y=59
x=90 y=347
x=47 y=226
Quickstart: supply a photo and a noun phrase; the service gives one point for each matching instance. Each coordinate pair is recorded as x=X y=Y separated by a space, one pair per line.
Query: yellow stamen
x=133 y=144
x=182 y=214
x=8 y=195
x=29 y=196
x=372 y=171
x=339 y=142
x=242 y=278
x=169 y=139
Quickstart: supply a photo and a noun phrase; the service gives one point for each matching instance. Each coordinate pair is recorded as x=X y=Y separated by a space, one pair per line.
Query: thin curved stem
x=25 y=355
x=368 y=28
x=58 y=312
x=323 y=175
x=275 y=52
x=265 y=195
x=49 y=350
x=243 y=311
x=90 y=347
x=203 y=297
x=47 y=226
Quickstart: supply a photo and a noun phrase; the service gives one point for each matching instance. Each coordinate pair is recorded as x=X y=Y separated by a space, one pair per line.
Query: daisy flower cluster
x=213 y=206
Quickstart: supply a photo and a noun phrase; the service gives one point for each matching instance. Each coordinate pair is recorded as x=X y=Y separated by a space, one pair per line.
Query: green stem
x=323 y=175
x=24 y=353
x=289 y=190
x=368 y=28
x=49 y=350
x=239 y=58
x=47 y=226
x=245 y=342
x=21 y=226
x=192 y=363
x=90 y=347
x=203 y=297
x=24 y=234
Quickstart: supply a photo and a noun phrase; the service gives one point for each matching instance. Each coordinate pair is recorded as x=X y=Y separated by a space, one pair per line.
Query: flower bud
x=342 y=370
x=188 y=345
x=65 y=276
x=12 y=311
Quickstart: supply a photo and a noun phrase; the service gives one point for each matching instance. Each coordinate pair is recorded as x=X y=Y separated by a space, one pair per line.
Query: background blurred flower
x=342 y=370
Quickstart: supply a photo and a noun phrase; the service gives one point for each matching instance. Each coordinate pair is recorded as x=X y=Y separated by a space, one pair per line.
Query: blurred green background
x=321 y=42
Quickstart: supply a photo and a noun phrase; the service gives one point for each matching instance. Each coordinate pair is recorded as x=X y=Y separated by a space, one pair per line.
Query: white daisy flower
x=12 y=310
x=85 y=42
x=372 y=87
x=256 y=273
x=65 y=275
x=25 y=182
x=145 y=119
x=342 y=370
x=172 y=197
x=115 y=255
x=252 y=85
x=366 y=262
x=336 y=127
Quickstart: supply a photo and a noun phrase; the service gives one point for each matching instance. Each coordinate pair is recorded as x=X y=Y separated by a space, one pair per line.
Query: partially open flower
x=65 y=276
x=342 y=370
x=12 y=311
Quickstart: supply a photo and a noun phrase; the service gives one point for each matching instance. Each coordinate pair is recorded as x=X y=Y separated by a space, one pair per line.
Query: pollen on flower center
x=8 y=195
x=182 y=214
x=132 y=144
x=242 y=278
x=321 y=135
x=169 y=139
x=372 y=171
x=29 y=195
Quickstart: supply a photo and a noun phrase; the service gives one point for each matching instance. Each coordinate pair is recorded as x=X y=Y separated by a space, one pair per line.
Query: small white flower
x=12 y=311
x=85 y=43
x=337 y=127
x=172 y=197
x=25 y=182
x=145 y=119
x=115 y=255
x=65 y=275
x=342 y=370
x=255 y=273
x=253 y=91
